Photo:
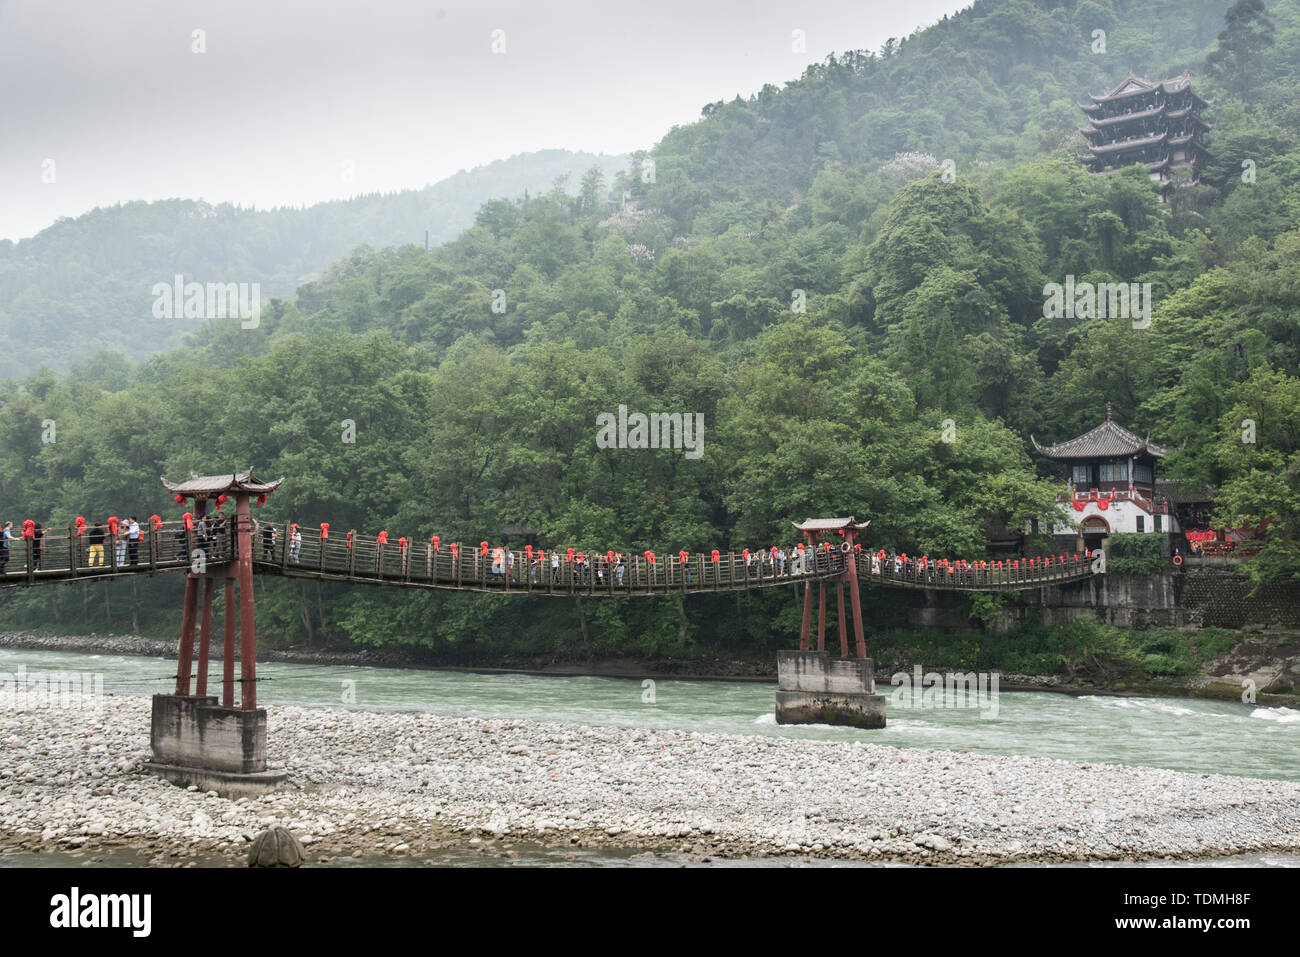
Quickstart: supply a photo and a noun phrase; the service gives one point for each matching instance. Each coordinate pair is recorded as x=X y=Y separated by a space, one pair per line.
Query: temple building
x=1113 y=486
x=1156 y=124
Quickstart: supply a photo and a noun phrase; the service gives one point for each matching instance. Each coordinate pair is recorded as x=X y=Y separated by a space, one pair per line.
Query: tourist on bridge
x=133 y=540
x=295 y=544
x=619 y=567
x=268 y=541
x=498 y=563
x=6 y=536
x=38 y=533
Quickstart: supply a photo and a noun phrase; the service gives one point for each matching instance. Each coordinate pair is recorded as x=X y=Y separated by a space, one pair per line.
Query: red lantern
x=188 y=521
x=528 y=550
x=221 y=500
x=401 y=543
x=261 y=500
x=435 y=539
x=180 y=499
x=349 y=541
x=455 y=549
x=383 y=538
x=482 y=548
x=716 y=555
x=157 y=522
x=744 y=554
x=81 y=525
x=609 y=557
x=324 y=530
x=650 y=557
x=569 y=553
x=29 y=529
x=682 y=556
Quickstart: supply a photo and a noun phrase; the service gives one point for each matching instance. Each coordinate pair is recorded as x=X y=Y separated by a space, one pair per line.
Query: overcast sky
x=298 y=101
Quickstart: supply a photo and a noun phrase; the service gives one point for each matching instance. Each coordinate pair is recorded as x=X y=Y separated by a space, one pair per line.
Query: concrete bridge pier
x=196 y=741
x=814 y=688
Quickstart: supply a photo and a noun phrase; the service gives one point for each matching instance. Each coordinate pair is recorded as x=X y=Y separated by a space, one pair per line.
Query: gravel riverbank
x=366 y=783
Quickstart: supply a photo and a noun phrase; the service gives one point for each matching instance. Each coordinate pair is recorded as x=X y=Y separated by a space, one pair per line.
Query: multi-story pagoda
x=1111 y=472
x=1156 y=124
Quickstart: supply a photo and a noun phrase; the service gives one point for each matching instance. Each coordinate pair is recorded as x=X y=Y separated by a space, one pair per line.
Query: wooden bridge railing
x=348 y=556
x=1005 y=575
x=66 y=552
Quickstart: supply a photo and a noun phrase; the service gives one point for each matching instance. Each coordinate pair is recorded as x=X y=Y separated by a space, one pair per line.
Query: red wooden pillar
x=228 y=661
x=205 y=636
x=185 y=654
x=854 y=598
x=247 y=641
x=821 y=616
x=844 y=635
x=807 y=616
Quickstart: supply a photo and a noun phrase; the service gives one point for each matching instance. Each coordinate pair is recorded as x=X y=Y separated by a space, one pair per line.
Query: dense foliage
x=862 y=332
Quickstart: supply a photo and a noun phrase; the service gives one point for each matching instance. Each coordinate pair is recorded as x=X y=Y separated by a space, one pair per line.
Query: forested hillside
x=84 y=284
x=799 y=268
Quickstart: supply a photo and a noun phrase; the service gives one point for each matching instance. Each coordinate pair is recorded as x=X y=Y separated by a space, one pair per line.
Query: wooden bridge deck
x=64 y=557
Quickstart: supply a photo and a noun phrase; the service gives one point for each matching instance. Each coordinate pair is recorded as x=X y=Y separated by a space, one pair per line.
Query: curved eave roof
x=1108 y=440
x=1134 y=85
x=1130 y=144
x=1126 y=117
x=204 y=485
x=830 y=524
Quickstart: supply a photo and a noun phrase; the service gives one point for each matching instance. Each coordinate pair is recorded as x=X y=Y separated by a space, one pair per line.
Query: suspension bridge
x=197 y=741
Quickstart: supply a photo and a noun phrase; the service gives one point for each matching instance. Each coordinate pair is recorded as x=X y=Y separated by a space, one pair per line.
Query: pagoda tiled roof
x=1108 y=440
x=1134 y=85
x=830 y=524
x=1125 y=117
x=229 y=483
x=1128 y=144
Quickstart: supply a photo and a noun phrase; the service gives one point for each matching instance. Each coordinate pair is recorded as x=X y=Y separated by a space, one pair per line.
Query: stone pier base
x=817 y=689
x=195 y=741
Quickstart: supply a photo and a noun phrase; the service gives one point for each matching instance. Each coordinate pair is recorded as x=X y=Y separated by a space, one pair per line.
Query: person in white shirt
x=133 y=540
